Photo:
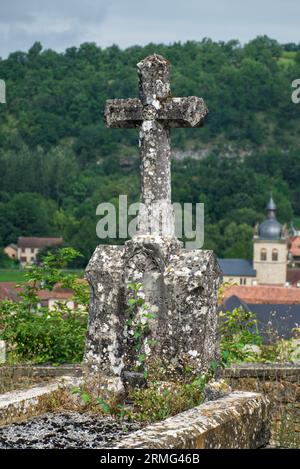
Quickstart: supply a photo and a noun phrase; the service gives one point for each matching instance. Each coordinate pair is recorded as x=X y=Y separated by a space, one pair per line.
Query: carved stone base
x=180 y=288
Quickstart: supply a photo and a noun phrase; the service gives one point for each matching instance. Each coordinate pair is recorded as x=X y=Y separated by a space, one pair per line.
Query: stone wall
x=281 y=383
x=239 y=420
x=20 y=405
x=13 y=377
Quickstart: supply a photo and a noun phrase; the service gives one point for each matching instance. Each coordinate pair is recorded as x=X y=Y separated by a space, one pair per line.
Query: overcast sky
x=59 y=24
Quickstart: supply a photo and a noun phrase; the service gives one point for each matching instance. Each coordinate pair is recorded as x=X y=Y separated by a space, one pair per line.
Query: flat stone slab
x=18 y=405
x=239 y=420
x=257 y=370
x=67 y=430
x=41 y=371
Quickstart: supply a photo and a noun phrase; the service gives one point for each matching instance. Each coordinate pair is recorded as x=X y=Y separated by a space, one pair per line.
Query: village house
x=11 y=251
x=269 y=284
x=238 y=271
x=47 y=298
x=275 y=257
x=29 y=247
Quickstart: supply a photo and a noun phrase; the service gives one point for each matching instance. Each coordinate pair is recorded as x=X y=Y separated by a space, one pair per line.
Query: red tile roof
x=33 y=242
x=262 y=294
x=55 y=295
x=9 y=291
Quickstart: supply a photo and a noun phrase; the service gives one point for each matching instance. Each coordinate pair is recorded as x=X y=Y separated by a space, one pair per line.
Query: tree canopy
x=58 y=161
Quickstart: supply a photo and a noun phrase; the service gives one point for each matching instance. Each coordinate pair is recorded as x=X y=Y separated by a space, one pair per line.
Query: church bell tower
x=270 y=249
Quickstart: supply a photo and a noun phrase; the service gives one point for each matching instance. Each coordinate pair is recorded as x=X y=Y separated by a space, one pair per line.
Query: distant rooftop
x=35 y=242
x=237 y=267
x=264 y=294
x=10 y=291
x=270 y=229
x=280 y=318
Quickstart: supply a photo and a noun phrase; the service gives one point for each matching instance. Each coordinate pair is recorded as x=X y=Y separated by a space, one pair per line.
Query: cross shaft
x=155 y=112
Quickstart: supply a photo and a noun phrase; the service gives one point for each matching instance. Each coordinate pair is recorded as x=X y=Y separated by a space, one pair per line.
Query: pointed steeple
x=271 y=208
x=270 y=228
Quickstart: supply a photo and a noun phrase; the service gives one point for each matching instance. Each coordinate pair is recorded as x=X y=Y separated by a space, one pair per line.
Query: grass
x=11 y=275
x=16 y=275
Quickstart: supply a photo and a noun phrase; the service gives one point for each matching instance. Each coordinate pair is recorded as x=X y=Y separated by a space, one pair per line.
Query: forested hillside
x=58 y=161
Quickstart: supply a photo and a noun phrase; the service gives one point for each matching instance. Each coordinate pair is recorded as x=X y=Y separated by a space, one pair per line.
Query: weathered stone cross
x=155 y=113
x=179 y=285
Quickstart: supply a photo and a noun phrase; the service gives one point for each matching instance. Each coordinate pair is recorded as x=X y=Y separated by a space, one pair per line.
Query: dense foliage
x=58 y=161
x=241 y=340
x=37 y=334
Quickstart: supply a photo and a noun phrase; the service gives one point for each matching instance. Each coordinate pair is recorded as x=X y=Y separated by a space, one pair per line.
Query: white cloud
x=58 y=24
x=64 y=23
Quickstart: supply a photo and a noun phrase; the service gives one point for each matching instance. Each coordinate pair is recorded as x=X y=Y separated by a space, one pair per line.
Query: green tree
x=238 y=241
x=37 y=334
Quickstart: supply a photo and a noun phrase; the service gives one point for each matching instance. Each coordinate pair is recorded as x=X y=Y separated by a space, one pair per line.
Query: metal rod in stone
x=155 y=113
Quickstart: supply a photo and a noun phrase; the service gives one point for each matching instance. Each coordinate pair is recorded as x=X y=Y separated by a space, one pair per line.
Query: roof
x=34 y=242
x=12 y=245
x=295 y=246
x=272 y=319
x=234 y=302
x=262 y=294
x=271 y=204
x=270 y=229
x=55 y=295
x=237 y=267
x=10 y=291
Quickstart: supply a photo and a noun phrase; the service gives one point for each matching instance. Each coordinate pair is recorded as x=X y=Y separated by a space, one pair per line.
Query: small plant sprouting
x=107 y=406
x=138 y=324
x=104 y=405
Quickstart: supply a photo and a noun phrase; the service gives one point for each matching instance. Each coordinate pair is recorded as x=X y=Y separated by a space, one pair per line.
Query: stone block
x=239 y=420
x=179 y=286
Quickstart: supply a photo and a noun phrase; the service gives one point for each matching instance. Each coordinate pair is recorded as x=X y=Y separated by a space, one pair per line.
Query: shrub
x=37 y=335
x=162 y=399
x=238 y=329
x=241 y=340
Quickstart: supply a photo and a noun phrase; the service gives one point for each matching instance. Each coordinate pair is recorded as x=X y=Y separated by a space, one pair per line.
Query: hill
x=58 y=161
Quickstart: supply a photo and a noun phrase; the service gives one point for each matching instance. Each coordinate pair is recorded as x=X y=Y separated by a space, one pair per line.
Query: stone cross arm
x=155 y=113
x=175 y=112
